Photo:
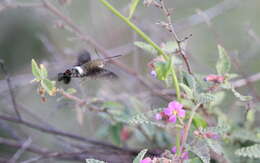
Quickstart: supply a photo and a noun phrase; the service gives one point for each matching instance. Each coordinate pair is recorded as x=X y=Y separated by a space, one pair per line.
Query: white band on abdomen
x=80 y=70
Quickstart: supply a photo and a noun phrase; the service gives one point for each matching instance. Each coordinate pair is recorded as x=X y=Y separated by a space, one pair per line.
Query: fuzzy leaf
x=190 y=81
x=187 y=90
x=221 y=129
x=49 y=86
x=146 y=47
x=201 y=150
x=71 y=91
x=44 y=72
x=133 y=6
x=94 y=161
x=115 y=133
x=251 y=151
x=245 y=135
x=163 y=69
x=199 y=122
x=223 y=65
x=140 y=156
x=215 y=146
x=204 y=98
x=36 y=71
x=170 y=47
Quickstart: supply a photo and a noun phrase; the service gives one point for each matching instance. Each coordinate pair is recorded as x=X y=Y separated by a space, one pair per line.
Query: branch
x=243 y=82
x=187 y=128
x=174 y=35
x=61 y=133
x=9 y=84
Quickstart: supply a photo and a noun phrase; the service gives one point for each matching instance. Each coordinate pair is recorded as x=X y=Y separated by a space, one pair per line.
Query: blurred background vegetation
x=25 y=33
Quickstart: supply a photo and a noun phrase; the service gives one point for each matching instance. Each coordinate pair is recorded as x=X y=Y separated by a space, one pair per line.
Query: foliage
x=251 y=151
x=140 y=156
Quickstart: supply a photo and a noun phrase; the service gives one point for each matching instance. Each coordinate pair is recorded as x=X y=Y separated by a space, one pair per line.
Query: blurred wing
x=101 y=73
x=83 y=57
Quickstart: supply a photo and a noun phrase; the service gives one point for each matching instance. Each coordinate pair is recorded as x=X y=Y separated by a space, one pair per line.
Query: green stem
x=147 y=39
x=178 y=142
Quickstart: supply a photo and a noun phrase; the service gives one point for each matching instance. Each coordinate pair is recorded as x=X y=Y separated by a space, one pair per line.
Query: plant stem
x=147 y=39
x=187 y=128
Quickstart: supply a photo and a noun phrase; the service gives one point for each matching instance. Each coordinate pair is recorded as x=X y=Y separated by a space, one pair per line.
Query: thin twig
x=61 y=133
x=175 y=36
x=187 y=127
x=8 y=80
x=20 y=151
x=243 y=82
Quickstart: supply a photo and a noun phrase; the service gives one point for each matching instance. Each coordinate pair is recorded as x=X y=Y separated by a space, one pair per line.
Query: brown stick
x=9 y=84
x=175 y=36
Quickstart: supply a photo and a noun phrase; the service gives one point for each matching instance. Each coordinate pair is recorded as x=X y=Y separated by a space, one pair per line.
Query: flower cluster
x=172 y=112
x=184 y=156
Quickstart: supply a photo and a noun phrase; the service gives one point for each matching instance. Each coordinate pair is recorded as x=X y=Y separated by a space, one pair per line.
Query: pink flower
x=211 y=135
x=174 y=110
x=146 y=160
x=158 y=116
x=153 y=74
x=174 y=149
x=185 y=156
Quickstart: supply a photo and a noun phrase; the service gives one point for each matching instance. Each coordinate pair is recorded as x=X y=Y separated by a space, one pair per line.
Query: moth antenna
x=116 y=56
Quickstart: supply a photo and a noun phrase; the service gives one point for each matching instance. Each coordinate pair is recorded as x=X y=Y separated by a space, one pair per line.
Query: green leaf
x=170 y=47
x=49 y=86
x=241 y=97
x=215 y=146
x=223 y=65
x=250 y=116
x=112 y=105
x=231 y=76
x=218 y=98
x=187 y=90
x=204 y=98
x=93 y=161
x=193 y=160
x=251 y=151
x=198 y=121
x=220 y=129
x=133 y=6
x=200 y=148
x=36 y=70
x=245 y=135
x=44 y=72
x=163 y=69
x=115 y=131
x=190 y=81
x=140 y=156
x=71 y=91
x=146 y=47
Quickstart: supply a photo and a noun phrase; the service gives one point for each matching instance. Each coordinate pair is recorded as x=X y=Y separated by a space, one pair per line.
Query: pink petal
x=172 y=119
x=175 y=105
x=174 y=149
x=158 y=116
x=185 y=156
x=181 y=113
x=168 y=111
x=146 y=160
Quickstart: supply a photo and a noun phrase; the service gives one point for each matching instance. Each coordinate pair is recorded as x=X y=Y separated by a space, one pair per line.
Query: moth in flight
x=86 y=67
